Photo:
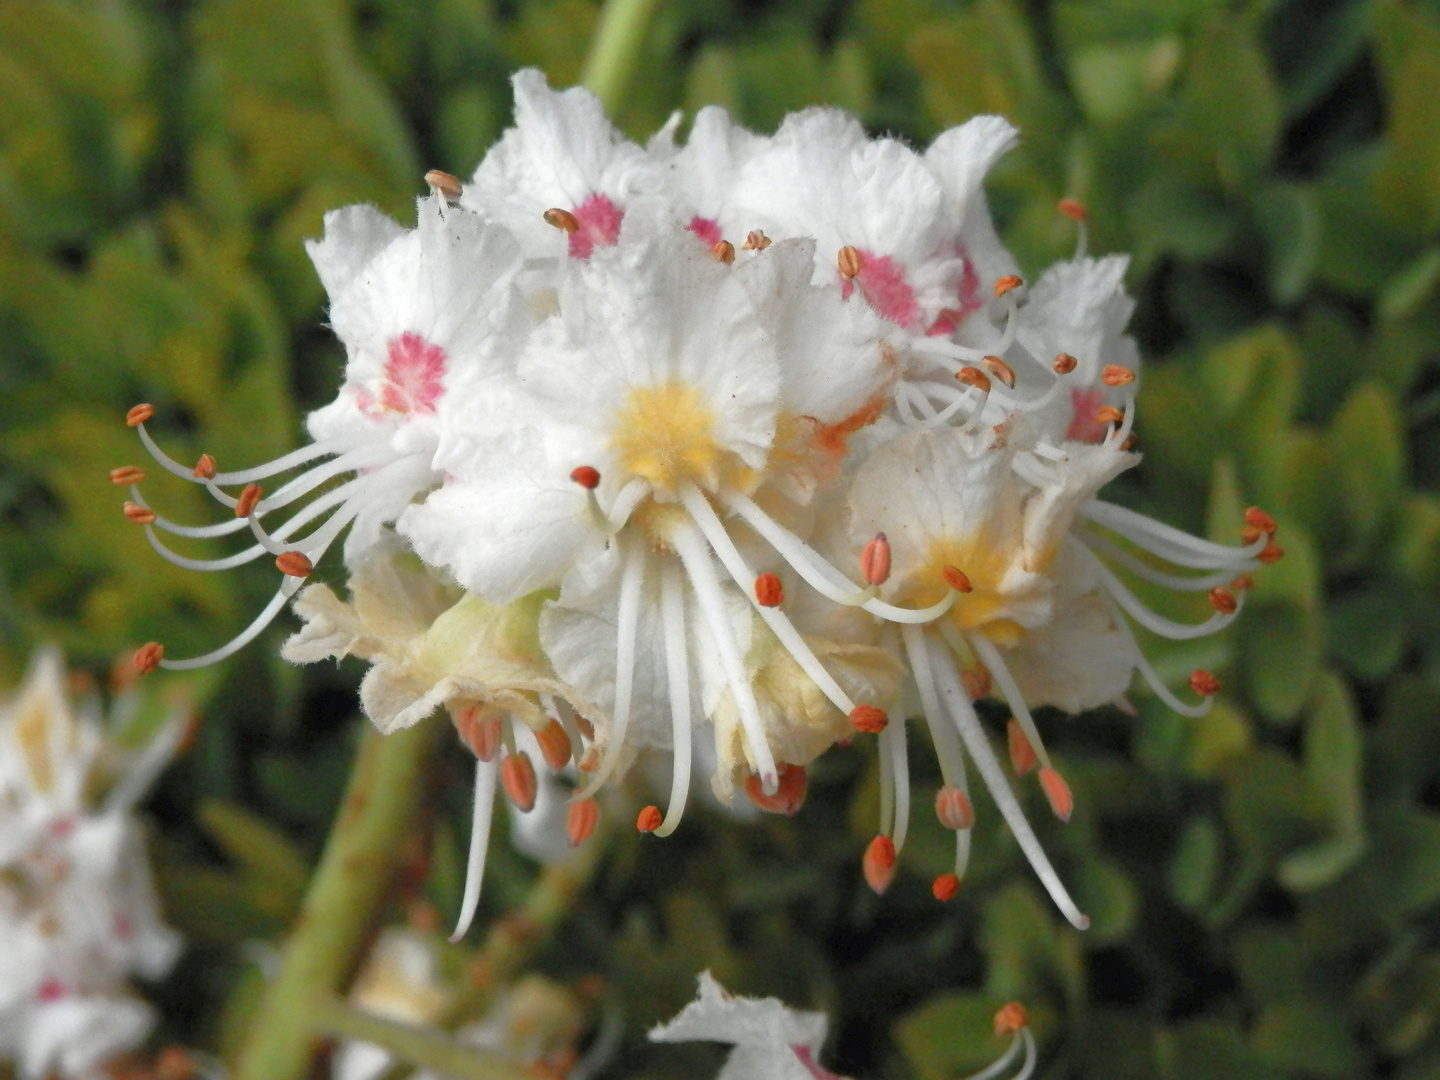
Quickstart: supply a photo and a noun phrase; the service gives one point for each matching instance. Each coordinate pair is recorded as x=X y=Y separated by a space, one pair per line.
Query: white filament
x=627 y=622
x=677 y=674
x=486 y=773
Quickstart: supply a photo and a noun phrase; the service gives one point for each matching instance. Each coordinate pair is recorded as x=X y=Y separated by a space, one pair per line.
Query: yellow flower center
x=984 y=608
x=666 y=435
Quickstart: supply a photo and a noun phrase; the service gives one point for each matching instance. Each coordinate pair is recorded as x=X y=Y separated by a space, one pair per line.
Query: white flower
x=760 y=433
x=78 y=915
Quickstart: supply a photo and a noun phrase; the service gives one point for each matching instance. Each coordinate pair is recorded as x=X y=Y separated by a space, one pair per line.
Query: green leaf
x=1288 y=216
x=1195 y=863
x=1408 y=179
x=1268 y=805
x=274 y=868
x=1306 y=1036
x=1366 y=442
x=1404 y=857
x=951 y=1034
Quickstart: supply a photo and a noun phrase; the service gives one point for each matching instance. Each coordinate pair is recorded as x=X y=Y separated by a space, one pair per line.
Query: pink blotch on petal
x=413 y=375
x=599 y=220
x=816 y=1069
x=968 y=293
x=52 y=990
x=882 y=281
x=706 y=230
x=1084 y=427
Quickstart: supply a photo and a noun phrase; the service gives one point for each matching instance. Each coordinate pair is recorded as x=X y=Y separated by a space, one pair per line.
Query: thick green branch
x=422 y=1047
x=342 y=902
x=615 y=52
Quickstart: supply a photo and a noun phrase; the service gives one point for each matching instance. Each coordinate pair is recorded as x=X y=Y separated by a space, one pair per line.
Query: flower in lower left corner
x=78 y=913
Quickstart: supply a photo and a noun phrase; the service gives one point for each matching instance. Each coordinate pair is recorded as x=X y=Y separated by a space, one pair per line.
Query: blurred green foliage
x=1264 y=882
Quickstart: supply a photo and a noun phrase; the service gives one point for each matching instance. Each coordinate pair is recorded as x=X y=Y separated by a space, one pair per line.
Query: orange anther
x=245 y=505
x=204 y=468
x=768 y=590
x=175 y=1063
x=1011 y=1018
x=294 y=564
x=1115 y=375
x=126 y=475
x=945 y=888
x=587 y=476
x=1006 y=283
x=789 y=795
x=554 y=745
x=1058 y=792
x=755 y=240
x=1064 y=363
x=1204 y=683
x=518 y=776
x=1074 y=209
x=976 y=681
x=999 y=369
x=1109 y=414
x=869 y=719
x=148 y=657
x=953 y=808
x=875 y=560
x=879 y=863
x=1222 y=600
x=1129 y=443
x=1249 y=534
x=580 y=821
x=849 y=262
x=649 y=819
x=724 y=251
x=956 y=579
x=1271 y=552
x=481 y=736
x=138 y=514
x=563 y=220
x=973 y=376
x=589 y=761
x=1258 y=519
x=1243 y=583
x=1022 y=755
x=139 y=414
x=442 y=183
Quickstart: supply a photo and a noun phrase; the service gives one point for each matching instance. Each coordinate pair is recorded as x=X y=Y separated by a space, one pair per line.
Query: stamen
x=1270 y=553
x=1150 y=620
x=1022 y=754
x=788 y=798
x=887 y=787
x=1204 y=683
x=1072 y=209
x=580 y=821
x=1243 y=583
x=554 y=745
x=868 y=718
x=849 y=263
x=148 y=657
x=1010 y=1019
x=627 y=621
x=942 y=735
x=990 y=655
x=677 y=673
x=587 y=476
x=893 y=746
x=1109 y=414
x=724 y=252
x=1058 y=792
x=204 y=468
x=1166 y=541
x=976 y=681
x=1116 y=375
x=1006 y=283
x=1150 y=675
x=518 y=775
x=563 y=220
x=956 y=579
x=1064 y=363
x=755 y=240
x=879 y=863
x=875 y=561
x=139 y=414
x=235 y=644
x=696 y=560
x=444 y=185
x=648 y=820
x=1258 y=519
x=1000 y=370
x=245 y=505
x=968 y=724
x=139 y=514
x=480 y=818
x=973 y=376
x=1115 y=553
x=1223 y=601
x=953 y=808
x=768 y=591
x=1250 y=534
x=945 y=888
x=126 y=475
x=294 y=564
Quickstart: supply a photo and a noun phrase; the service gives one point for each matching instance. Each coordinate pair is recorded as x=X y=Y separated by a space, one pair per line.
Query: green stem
x=343 y=899
x=423 y=1047
x=615 y=52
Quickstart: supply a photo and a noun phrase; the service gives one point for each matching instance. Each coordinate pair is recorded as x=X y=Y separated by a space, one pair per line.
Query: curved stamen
x=1147 y=671
x=947 y=743
x=895 y=753
x=957 y=704
x=351 y=461
x=279 y=465
x=562 y=714
x=1150 y=620
x=235 y=644
x=677 y=673
x=990 y=656
x=1122 y=431
x=627 y=622
x=486 y=774
x=1115 y=552
x=887 y=785
x=695 y=556
x=778 y=622
x=223 y=528
x=630 y=496
x=1169 y=542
